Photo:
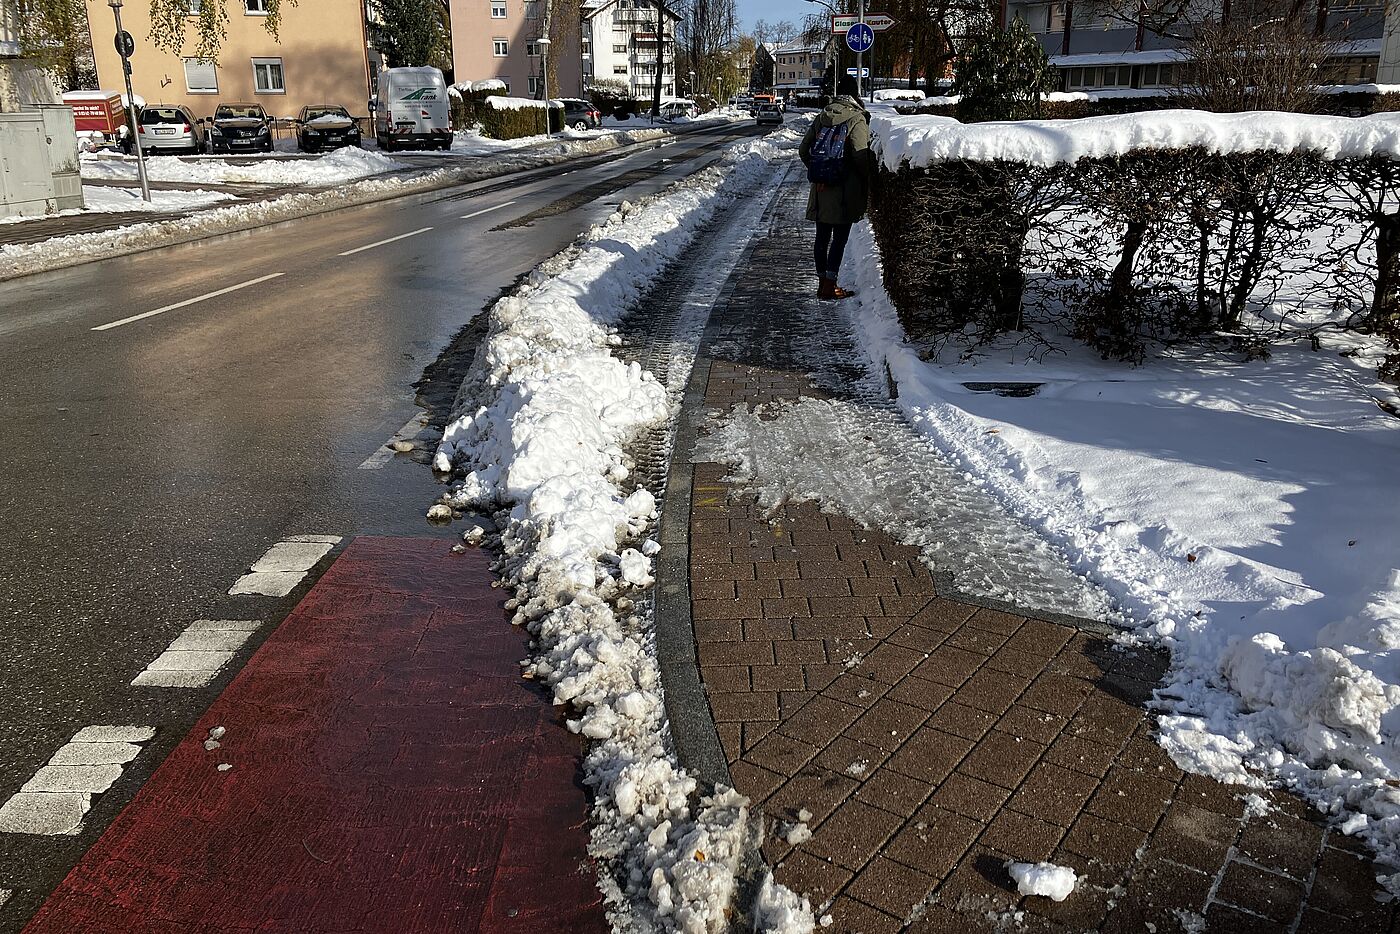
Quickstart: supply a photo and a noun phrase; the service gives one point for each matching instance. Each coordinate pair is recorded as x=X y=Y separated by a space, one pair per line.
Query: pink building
x=499 y=39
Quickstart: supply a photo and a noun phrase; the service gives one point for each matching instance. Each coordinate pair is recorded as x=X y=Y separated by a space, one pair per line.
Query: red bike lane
x=387 y=769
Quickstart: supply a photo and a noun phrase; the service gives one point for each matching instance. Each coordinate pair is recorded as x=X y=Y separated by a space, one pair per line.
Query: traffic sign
x=124 y=43
x=860 y=37
x=879 y=22
x=864 y=72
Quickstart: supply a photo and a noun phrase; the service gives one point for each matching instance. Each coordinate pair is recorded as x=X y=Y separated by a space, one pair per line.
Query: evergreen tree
x=411 y=32
x=1002 y=74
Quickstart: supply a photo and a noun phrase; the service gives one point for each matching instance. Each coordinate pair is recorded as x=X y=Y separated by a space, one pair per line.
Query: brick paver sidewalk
x=927 y=739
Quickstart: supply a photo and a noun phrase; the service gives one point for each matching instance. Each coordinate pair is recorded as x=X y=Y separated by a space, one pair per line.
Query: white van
x=411 y=109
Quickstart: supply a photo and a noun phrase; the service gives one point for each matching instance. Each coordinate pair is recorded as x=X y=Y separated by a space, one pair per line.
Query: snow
x=341 y=165
x=1054 y=882
x=540 y=437
x=923 y=139
x=897 y=94
x=106 y=199
x=1240 y=513
x=779 y=910
x=500 y=102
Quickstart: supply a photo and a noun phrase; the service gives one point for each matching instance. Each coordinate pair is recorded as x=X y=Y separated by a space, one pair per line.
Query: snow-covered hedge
x=1134 y=227
x=484 y=105
x=919 y=141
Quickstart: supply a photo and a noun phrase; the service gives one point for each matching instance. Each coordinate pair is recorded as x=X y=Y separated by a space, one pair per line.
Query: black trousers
x=829 y=248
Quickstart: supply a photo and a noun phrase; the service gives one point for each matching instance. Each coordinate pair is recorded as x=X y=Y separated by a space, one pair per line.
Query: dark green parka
x=844 y=203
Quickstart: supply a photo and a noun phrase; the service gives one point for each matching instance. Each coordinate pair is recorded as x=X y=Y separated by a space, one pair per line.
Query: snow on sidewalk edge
x=540 y=435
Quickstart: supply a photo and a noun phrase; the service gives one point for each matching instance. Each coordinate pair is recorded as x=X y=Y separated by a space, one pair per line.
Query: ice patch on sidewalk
x=883 y=473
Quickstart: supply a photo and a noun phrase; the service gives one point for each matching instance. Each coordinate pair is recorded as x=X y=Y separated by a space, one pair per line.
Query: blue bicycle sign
x=860 y=37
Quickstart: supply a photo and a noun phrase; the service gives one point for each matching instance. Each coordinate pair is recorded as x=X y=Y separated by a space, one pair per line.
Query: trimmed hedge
x=473 y=111
x=1148 y=247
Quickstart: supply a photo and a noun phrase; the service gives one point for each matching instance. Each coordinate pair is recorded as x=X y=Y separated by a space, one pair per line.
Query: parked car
x=169 y=128
x=240 y=127
x=326 y=126
x=768 y=113
x=580 y=114
x=678 y=107
x=411 y=110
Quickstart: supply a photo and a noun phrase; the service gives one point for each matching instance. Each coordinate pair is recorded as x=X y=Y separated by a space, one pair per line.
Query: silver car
x=170 y=128
x=768 y=113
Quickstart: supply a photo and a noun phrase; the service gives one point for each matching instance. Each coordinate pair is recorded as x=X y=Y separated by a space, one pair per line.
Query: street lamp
x=543 y=43
x=124 y=49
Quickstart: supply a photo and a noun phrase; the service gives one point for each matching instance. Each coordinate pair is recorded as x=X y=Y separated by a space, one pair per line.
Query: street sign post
x=878 y=22
x=860 y=38
x=126 y=45
x=858 y=72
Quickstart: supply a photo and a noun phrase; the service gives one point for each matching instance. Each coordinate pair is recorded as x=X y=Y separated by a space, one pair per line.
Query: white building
x=620 y=43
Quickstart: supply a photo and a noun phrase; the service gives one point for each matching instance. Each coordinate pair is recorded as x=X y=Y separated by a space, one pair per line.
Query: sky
x=774 y=10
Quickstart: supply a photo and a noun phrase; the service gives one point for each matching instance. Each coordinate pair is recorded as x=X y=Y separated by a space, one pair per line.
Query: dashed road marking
x=197 y=654
x=370 y=246
x=189 y=301
x=283 y=566
x=54 y=801
x=385 y=453
x=467 y=217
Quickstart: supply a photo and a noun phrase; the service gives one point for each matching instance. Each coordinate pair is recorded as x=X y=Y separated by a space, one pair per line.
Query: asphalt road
x=149 y=462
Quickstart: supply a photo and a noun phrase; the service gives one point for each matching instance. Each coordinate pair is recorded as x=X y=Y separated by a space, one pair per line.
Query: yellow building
x=319 y=58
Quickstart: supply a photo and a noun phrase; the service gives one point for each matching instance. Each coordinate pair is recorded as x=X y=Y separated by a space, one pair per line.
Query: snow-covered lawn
x=333 y=168
x=105 y=199
x=1243 y=513
x=540 y=441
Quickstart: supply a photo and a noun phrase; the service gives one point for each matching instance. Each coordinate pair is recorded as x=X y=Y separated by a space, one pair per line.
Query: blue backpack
x=828 y=155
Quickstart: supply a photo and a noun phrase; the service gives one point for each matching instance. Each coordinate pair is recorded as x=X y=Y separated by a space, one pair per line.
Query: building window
x=536 y=85
x=500 y=48
x=254 y=7
x=619 y=48
x=532 y=9
x=200 y=77
x=267 y=76
x=195 y=7
x=498 y=9
x=532 y=49
x=619 y=69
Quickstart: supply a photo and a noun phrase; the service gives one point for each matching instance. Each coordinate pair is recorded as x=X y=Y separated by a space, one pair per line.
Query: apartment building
x=1095 y=47
x=500 y=39
x=319 y=57
x=798 y=67
x=620 y=42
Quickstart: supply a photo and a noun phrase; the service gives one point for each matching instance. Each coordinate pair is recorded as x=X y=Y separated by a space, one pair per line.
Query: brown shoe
x=837 y=292
x=825 y=288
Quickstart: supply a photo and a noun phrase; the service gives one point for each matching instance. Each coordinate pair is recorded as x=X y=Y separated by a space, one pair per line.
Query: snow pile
x=1243 y=514
x=341 y=165
x=109 y=199
x=1054 y=882
x=540 y=437
x=500 y=102
x=924 y=139
x=897 y=94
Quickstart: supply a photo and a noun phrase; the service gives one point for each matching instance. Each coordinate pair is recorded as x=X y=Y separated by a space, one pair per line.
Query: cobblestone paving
x=926 y=740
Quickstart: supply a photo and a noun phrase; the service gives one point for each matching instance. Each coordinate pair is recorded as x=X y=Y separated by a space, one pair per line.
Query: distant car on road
x=240 y=127
x=768 y=113
x=326 y=126
x=581 y=114
x=171 y=128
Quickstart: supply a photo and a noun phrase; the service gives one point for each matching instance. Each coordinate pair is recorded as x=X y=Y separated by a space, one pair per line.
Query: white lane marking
x=467 y=217
x=282 y=566
x=189 y=301
x=370 y=246
x=53 y=802
x=197 y=654
x=386 y=452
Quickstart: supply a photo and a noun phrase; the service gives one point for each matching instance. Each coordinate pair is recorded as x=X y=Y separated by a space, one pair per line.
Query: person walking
x=840 y=164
